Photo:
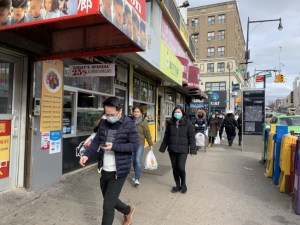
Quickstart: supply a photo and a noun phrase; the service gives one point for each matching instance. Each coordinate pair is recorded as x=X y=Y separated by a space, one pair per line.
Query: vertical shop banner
x=55 y=141
x=5 y=134
x=169 y=64
x=52 y=90
x=129 y=16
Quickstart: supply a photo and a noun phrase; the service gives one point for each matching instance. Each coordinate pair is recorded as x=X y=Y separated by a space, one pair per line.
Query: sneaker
x=183 y=189
x=133 y=179
x=128 y=218
x=175 y=189
x=136 y=183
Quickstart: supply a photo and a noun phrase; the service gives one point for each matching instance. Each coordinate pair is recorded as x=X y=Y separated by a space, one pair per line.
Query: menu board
x=253 y=111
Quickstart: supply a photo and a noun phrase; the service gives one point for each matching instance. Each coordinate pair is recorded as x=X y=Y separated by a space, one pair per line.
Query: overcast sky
x=265 y=41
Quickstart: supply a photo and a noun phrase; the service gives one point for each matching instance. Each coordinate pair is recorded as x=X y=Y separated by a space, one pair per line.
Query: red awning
x=193 y=77
x=85 y=33
x=185 y=63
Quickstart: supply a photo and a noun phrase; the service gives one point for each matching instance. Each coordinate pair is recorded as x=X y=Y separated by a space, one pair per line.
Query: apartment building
x=219 y=50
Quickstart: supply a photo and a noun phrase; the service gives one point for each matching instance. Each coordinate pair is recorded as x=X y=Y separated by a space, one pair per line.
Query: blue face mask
x=113 y=119
x=178 y=116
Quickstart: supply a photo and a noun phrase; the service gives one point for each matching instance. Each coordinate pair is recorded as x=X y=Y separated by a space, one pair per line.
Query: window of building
x=194 y=22
x=221 y=67
x=221 y=34
x=211 y=52
x=211 y=36
x=195 y=37
x=210 y=67
x=221 y=51
x=211 y=20
x=215 y=86
x=221 y=18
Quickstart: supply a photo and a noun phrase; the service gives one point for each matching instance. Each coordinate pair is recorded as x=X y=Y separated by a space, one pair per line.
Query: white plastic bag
x=150 y=161
x=200 y=139
x=217 y=140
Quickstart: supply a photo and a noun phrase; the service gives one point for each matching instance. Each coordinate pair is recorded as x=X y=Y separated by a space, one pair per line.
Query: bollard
x=280 y=131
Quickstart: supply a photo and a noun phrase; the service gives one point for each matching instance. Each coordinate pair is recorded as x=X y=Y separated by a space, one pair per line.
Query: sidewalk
x=225 y=187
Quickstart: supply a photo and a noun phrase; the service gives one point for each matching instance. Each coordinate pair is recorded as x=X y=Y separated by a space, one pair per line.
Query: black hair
x=19 y=4
x=5 y=4
x=137 y=107
x=113 y=102
x=127 y=10
x=118 y=2
x=181 y=109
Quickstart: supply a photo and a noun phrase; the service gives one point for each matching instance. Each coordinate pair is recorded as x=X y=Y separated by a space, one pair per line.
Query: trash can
x=296 y=187
x=280 y=131
x=270 y=149
x=285 y=162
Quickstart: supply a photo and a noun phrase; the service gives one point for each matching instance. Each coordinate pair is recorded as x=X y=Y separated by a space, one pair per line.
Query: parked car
x=292 y=121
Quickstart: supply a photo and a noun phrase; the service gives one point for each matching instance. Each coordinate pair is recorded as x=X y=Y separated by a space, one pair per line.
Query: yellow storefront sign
x=169 y=64
x=51 y=102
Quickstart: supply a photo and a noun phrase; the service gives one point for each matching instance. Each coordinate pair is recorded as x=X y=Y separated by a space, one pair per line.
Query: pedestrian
x=200 y=122
x=221 y=118
x=144 y=134
x=180 y=140
x=240 y=128
x=213 y=124
x=229 y=123
x=115 y=141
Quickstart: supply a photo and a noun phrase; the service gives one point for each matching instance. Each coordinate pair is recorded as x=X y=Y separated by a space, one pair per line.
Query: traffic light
x=282 y=79
x=279 y=78
x=276 y=78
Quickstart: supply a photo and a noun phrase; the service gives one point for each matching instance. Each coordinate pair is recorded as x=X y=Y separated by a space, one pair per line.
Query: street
x=225 y=186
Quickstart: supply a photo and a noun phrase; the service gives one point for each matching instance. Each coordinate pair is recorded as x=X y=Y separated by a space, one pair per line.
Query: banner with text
x=92 y=70
x=52 y=90
x=5 y=129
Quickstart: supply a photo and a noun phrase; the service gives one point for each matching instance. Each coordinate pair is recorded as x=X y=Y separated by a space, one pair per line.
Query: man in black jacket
x=115 y=141
x=230 y=124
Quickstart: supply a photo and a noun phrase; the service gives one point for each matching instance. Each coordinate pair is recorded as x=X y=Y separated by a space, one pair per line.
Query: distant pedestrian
x=115 y=141
x=213 y=124
x=221 y=118
x=144 y=133
x=229 y=123
x=180 y=141
x=240 y=128
x=200 y=121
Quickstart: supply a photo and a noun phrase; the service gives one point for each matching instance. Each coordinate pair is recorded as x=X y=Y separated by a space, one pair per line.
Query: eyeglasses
x=111 y=115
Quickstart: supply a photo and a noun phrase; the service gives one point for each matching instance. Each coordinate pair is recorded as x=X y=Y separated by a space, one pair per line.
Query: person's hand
x=107 y=146
x=83 y=160
x=151 y=148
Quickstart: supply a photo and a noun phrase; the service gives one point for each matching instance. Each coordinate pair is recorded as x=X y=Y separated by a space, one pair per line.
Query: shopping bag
x=200 y=139
x=217 y=140
x=150 y=161
x=206 y=132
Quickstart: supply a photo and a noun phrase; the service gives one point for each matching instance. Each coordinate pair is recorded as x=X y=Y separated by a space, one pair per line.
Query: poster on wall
x=51 y=97
x=55 y=141
x=45 y=141
x=128 y=16
x=5 y=129
x=92 y=70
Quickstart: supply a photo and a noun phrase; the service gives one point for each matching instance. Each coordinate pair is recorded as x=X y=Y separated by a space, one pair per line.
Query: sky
x=269 y=47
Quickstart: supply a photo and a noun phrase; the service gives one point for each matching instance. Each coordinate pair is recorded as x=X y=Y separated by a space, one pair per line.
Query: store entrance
x=12 y=127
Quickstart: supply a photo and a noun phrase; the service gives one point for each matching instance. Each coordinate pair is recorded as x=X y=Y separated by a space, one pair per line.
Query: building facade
x=220 y=46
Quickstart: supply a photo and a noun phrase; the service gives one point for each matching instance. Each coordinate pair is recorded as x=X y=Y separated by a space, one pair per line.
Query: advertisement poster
x=5 y=129
x=92 y=70
x=128 y=16
x=51 y=99
x=55 y=141
x=45 y=141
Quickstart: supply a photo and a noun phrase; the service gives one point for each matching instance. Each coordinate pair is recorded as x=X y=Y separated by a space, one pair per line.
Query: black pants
x=211 y=139
x=111 y=189
x=178 y=164
x=230 y=136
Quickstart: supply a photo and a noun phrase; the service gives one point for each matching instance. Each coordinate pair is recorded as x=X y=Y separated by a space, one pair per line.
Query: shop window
x=136 y=88
x=144 y=91
x=170 y=95
x=151 y=93
x=6 y=81
x=68 y=112
x=169 y=109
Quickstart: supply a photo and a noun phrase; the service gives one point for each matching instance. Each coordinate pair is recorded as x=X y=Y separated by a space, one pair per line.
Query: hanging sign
x=92 y=70
x=260 y=78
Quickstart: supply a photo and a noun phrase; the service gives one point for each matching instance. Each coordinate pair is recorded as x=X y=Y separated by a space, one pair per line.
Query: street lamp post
x=228 y=67
x=247 y=55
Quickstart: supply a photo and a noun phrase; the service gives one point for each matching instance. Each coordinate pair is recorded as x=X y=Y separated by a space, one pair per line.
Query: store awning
x=88 y=31
x=185 y=63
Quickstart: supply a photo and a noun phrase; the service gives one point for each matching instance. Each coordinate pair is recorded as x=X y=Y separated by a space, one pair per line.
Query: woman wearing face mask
x=144 y=133
x=180 y=140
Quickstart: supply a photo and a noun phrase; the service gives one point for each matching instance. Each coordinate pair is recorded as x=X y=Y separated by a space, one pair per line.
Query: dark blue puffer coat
x=126 y=141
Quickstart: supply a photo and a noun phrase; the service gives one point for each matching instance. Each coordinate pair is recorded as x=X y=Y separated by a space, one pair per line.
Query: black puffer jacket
x=179 y=138
x=126 y=141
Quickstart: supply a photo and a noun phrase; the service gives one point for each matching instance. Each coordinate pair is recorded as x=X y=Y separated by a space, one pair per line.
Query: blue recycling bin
x=280 y=131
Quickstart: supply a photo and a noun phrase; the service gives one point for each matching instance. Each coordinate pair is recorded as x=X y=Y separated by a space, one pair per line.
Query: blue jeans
x=137 y=162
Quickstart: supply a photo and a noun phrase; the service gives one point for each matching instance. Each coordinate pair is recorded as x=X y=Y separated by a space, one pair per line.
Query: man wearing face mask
x=180 y=141
x=115 y=141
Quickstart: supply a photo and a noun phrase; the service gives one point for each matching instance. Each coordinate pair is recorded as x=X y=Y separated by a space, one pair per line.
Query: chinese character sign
x=5 y=133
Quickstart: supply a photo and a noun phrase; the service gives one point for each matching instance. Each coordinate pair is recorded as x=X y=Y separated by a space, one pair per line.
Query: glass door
x=10 y=112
